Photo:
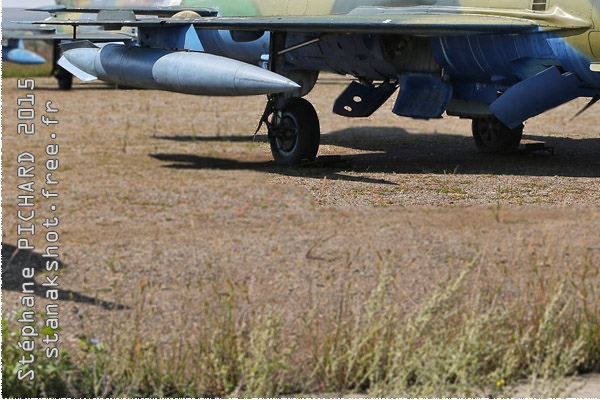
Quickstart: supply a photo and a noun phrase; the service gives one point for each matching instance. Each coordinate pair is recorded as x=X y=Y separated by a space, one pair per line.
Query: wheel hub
x=285 y=133
x=493 y=136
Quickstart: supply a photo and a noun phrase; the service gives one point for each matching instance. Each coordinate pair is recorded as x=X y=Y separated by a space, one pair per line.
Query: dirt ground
x=168 y=193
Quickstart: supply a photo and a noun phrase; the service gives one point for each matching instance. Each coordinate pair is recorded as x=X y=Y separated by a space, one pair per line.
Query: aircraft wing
x=156 y=11
x=419 y=20
x=48 y=33
x=13 y=34
x=15 y=26
x=99 y=36
x=13 y=29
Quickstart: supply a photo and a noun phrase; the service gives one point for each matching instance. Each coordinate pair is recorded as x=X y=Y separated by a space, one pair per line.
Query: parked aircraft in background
x=15 y=34
x=497 y=63
x=14 y=51
x=13 y=48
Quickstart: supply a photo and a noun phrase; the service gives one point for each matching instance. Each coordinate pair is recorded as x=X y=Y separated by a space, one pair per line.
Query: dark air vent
x=538 y=5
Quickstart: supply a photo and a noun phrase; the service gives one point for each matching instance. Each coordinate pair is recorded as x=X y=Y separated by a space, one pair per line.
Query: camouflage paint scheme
x=581 y=8
x=585 y=41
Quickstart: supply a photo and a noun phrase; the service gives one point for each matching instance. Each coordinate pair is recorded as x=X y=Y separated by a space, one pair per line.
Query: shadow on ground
x=324 y=167
x=13 y=262
x=395 y=150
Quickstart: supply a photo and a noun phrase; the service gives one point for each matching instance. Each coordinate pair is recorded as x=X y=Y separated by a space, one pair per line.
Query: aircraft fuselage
x=498 y=63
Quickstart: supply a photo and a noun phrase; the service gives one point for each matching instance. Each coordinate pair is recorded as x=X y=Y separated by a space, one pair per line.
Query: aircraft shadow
x=395 y=150
x=13 y=262
x=232 y=139
x=401 y=152
x=331 y=167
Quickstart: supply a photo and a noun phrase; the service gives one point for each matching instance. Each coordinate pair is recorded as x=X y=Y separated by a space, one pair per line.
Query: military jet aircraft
x=497 y=63
x=13 y=34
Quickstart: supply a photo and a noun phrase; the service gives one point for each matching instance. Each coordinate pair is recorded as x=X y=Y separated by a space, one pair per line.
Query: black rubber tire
x=302 y=133
x=64 y=78
x=492 y=136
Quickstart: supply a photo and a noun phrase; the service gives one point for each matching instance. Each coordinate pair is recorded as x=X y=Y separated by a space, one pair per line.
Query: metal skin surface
x=507 y=59
x=183 y=72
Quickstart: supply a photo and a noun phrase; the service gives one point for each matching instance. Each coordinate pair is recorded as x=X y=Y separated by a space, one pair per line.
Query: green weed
x=465 y=339
x=44 y=377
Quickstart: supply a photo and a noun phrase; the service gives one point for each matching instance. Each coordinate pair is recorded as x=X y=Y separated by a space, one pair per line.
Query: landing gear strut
x=492 y=136
x=64 y=77
x=294 y=132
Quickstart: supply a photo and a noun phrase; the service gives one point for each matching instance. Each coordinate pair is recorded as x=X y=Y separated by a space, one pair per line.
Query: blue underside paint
x=533 y=96
x=500 y=59
x=422 y=96
x=534 y=73
x=477 y=69
x=519 y=75
x=475 y=92
x=352 y=54
x=176 y=37
x=222 y=43
x=21 y=56
x=572 y=61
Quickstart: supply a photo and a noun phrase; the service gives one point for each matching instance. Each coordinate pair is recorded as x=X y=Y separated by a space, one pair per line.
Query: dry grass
x=260 y=274
x=464 y=338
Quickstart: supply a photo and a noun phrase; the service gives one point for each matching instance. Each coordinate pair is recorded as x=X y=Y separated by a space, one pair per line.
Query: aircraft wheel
x=296 y=136
x=492 y=136
x=64 y=78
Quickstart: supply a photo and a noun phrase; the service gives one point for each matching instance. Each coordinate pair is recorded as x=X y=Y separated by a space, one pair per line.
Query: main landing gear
x=293 y=124
x=294 y=131
x=492 y=136
x=64 y=77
